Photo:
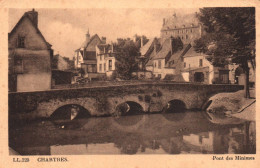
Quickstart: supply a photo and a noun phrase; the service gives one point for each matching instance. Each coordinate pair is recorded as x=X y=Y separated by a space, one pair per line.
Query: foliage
x=126 y=62
x=229 y=37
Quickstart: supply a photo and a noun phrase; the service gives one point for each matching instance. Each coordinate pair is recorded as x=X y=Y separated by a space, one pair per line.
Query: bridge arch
x=70 y=112
x=175 y=106
x=129 y=108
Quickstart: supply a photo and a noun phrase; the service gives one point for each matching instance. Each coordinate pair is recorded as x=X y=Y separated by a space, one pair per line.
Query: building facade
x=106 y=60
x=85 y=56
x=29 y=56
x=187 y=27
x=196 y=68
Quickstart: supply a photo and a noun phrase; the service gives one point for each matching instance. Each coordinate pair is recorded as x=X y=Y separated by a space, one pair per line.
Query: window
x=155 y=64
x=184 y=65
x=201 y=63
x=182 y=37
x=191 y=30
x=21 y=41
x=159 y=76
x=100 y=57
x=100 y=67
x=18 y=63
x=94 y=68
x=110 y=65
x=187 y=37
x=159 y=64
x=104 y=66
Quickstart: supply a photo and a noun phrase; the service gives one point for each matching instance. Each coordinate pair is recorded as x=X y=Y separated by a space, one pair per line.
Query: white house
x=196 y=68
x=106 y=61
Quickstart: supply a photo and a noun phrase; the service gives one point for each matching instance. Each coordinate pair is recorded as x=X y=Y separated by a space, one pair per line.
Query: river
x=180 y=133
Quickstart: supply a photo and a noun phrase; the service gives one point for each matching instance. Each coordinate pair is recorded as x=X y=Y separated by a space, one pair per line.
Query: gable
x=33 y=38
x=94 y=41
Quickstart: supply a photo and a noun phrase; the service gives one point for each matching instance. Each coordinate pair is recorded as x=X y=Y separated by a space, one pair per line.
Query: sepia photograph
x=132 y=81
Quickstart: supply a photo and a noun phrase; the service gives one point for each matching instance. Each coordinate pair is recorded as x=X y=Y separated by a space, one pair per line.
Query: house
x=29 y=56
x=62 y=71
x=187 y=27
x=196 y=68
x=106 y=60
x=167 y=61
x=148 y=51
x=61 y=63
x=85 y=56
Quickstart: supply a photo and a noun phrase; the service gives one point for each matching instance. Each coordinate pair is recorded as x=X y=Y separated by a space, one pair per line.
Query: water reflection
x=137 y=134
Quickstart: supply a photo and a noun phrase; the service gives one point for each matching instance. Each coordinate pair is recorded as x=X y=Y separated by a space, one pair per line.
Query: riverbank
x=234 y=105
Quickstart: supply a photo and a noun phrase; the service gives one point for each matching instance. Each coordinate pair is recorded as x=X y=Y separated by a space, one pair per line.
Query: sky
x=65 y=29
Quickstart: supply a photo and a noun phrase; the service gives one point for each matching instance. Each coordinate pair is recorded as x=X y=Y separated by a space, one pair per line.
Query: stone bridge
x=104 y=100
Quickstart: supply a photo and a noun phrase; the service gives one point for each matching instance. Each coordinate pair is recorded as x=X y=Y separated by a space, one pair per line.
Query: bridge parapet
x=103 y=100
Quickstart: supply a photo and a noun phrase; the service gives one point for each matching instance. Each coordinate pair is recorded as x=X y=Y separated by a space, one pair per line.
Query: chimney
x=87 y=36
x=155 y=45
x=163 y=21
x=142 y=41
x=135 y=37
x=33 y=16
x=104 y=40
x=171 y=43
x=112 y=47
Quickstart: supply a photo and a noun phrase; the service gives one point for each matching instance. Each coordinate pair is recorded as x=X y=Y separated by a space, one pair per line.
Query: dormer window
x=21 y=42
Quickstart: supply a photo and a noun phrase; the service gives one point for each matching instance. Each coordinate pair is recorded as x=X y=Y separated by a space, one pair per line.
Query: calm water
x=180 y=133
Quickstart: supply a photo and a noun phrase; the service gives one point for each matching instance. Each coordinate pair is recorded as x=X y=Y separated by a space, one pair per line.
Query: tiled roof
x=192 y=53
x=36 y=27
x=150 y=61
x=146 y=47
x=165 y=50
x=177 y=56
x=89 y=45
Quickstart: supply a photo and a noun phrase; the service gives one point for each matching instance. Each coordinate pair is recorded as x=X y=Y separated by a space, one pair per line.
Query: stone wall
x=104 y=100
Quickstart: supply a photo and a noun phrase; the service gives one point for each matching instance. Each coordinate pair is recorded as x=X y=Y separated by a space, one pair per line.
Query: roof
x=165 y=50
x=175 y=22
x=101 y=47
x=25 y=15
x=177 y=55
x=194 y=69
x=147 y=46
x=86 y=44
x=90 y=61
x=150 y=61
x=192 y=53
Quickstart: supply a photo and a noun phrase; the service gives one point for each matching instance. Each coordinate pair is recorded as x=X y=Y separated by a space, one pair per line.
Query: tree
x=229 y=37
x=126 y=62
